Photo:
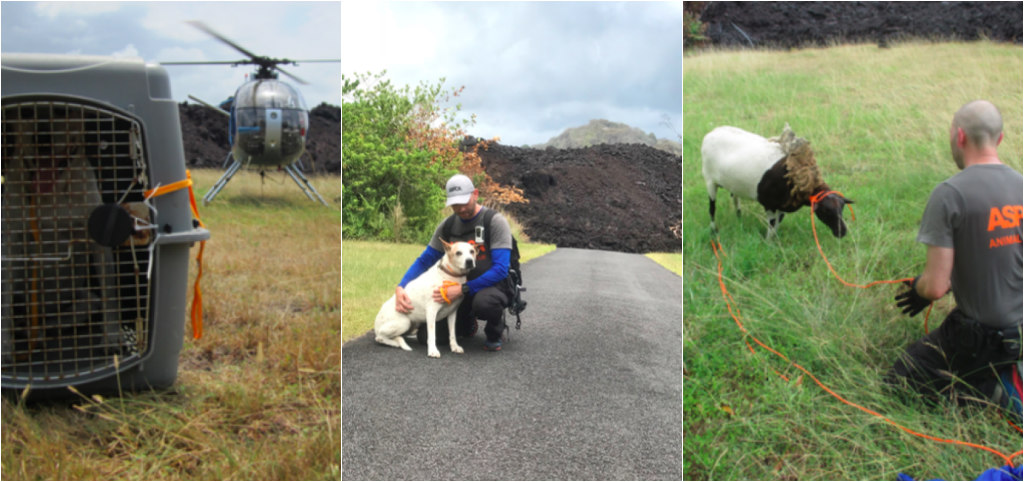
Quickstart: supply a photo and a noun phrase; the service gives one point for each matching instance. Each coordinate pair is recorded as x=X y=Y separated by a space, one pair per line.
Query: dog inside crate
x=70 y=303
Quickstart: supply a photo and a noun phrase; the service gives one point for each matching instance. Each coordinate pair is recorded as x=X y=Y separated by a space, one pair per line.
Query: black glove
x=909 y=301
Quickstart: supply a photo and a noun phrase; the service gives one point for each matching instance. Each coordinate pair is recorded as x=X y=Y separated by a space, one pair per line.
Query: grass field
x=878 y=121
x=258 y=397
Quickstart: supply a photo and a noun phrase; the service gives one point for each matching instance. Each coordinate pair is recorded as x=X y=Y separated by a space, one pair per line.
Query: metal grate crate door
x=73 y=308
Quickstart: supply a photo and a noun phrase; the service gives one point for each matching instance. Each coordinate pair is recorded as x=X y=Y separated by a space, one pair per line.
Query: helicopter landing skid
x=296 y=174
x=293 y=171
x=223 y=181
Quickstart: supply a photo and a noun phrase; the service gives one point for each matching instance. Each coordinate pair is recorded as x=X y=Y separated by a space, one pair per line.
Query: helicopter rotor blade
x=296 y=62
x=291 y=76
x=207 y=104
x=213 y=33
x=266 y=64
x=208 y=62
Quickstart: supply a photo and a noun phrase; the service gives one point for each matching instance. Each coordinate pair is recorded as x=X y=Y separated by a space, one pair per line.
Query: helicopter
x=267 y=118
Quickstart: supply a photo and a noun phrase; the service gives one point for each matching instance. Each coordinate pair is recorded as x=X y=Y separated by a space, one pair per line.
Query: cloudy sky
x=530 y=69
x=155 y=31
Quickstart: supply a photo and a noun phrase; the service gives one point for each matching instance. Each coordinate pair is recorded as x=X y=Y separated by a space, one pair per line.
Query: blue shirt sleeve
x=497 y=273
x=428 y=258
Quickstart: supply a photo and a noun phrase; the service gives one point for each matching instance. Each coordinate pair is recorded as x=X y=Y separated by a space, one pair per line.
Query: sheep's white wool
x=737 y=160
x=780 y=173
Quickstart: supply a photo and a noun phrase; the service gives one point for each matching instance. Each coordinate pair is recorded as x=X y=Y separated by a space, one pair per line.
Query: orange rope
x=729 y=300
x=174 y=186
x=444 y=290
x=197 y=294
x=816 y=199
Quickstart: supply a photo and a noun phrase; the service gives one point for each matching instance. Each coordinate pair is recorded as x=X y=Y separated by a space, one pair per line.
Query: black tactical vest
x=475 y=232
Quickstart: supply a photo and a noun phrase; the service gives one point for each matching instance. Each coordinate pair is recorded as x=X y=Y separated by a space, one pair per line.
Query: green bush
x=392 y=186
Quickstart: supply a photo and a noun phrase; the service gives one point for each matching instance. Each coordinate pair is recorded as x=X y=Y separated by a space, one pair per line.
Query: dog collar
x=449 y=273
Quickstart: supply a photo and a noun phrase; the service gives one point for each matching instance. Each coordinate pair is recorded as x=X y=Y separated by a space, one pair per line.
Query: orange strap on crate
x=197 y=294
x=174 y=186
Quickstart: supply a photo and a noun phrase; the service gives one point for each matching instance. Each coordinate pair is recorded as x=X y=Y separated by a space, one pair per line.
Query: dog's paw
x=433 y=353
x=456 y=348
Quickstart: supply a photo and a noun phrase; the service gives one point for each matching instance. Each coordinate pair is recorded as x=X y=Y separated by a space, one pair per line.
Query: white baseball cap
x=460 y=189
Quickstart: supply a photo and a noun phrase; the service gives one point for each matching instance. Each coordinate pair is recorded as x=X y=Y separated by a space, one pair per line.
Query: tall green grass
x=258 y=397
x=878 y=120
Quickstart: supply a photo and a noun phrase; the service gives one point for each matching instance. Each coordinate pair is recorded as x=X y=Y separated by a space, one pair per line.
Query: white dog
x=459 y=259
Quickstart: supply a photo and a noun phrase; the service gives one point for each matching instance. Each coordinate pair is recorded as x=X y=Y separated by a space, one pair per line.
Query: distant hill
x=600 y=131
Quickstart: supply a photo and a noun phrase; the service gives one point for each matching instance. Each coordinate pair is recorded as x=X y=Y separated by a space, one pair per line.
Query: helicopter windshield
x=270 y=122
x=268 y=94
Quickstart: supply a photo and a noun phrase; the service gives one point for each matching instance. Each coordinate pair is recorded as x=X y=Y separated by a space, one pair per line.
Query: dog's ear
x=447 y=245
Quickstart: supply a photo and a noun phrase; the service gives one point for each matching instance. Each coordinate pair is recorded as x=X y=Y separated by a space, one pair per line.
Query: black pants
x=487 y=305
x=961 y=357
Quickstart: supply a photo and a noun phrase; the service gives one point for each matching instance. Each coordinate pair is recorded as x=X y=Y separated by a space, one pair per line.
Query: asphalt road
x=589 y=388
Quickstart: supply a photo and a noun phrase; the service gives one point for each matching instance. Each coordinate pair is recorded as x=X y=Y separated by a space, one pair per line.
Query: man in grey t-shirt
x=972 y=228
x=486 y=292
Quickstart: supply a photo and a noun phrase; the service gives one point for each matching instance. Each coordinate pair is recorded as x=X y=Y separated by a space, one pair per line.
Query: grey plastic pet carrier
x=95 y=267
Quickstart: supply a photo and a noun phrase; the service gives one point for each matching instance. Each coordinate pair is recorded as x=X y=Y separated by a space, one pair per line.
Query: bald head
x=981 y=123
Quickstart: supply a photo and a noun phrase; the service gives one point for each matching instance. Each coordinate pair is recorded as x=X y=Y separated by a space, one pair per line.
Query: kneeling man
x=972 y=229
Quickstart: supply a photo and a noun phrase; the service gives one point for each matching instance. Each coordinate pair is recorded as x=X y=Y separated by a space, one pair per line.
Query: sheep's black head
x=830 y=211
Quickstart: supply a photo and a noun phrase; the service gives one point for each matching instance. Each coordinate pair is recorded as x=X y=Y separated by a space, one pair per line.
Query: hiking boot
x=492 y=345
x=1007 y=392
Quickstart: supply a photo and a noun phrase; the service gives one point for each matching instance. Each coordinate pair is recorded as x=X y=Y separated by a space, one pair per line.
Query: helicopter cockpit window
x=270 y=123
x=268 y=94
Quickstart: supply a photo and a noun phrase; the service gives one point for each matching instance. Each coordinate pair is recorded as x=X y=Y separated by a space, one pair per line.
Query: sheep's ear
x=847 y=201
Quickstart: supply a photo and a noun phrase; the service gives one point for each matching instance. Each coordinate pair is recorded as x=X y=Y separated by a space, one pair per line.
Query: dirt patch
x=794 y=24
x=619 y=197
x=205 y=135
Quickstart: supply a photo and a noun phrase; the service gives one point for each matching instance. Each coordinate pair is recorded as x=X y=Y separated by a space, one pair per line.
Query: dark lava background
x=205 y=135
x=619 y=197
x=793 y=24
x=622 y=197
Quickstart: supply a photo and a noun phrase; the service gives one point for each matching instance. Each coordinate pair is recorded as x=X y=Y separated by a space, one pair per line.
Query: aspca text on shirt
x=1001 y=219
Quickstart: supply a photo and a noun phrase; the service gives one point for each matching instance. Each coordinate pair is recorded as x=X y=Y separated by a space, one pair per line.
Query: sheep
x=780 y=173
